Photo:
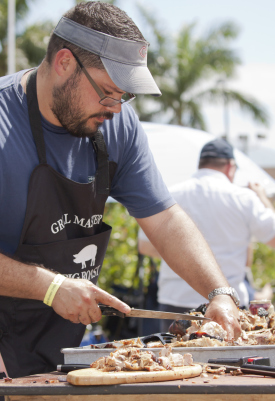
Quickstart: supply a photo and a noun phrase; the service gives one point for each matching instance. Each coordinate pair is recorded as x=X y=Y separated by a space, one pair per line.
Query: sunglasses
x=104 y=100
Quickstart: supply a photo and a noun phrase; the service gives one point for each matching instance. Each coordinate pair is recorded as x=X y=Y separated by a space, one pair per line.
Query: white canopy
x=176 y=151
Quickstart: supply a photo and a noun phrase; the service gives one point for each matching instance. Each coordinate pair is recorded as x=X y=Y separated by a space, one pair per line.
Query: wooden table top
x=56 y=384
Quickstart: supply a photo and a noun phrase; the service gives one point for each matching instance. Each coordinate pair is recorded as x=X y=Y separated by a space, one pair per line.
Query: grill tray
x=86 y=355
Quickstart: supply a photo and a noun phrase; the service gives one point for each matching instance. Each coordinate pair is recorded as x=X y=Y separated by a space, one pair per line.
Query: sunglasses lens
x=109 y=102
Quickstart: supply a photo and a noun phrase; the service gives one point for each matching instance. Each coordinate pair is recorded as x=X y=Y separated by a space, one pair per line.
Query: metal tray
x=86 y=355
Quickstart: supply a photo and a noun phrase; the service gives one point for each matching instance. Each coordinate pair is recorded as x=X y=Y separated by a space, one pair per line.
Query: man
x=227 y=216
x=57 y=171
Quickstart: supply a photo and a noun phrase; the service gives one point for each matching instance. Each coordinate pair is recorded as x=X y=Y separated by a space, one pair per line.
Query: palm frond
x=247 y=104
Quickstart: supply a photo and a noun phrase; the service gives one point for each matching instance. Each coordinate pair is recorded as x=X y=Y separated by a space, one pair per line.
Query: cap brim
x=132 y=79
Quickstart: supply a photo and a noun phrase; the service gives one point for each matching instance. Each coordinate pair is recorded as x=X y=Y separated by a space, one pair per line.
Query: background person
x=56 y=172
x=94 y=335
x=227 y=215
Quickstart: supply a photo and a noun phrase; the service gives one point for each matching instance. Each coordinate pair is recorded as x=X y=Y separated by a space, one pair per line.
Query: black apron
x=63 y=231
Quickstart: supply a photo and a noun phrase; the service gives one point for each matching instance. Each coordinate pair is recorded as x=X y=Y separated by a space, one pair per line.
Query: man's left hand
x=223 y=310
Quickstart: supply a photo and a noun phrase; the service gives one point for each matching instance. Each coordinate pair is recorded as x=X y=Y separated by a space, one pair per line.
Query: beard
x=66 y=108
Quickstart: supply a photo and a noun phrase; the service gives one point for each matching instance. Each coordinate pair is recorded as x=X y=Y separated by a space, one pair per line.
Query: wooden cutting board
x=94 y=377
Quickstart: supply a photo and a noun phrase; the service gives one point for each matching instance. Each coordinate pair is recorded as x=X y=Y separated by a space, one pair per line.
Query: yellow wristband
x=52 y=290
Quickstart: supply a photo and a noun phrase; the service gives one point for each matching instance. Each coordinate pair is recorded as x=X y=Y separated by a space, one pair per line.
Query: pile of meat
x=134 y=359
x=256 y=330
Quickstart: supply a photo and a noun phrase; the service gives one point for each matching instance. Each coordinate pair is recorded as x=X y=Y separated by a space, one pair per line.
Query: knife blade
x=149 y=314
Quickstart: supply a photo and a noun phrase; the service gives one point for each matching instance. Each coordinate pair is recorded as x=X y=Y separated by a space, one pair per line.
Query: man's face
x=76 y=104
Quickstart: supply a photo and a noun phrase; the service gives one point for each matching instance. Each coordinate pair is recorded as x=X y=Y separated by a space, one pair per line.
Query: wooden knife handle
x=109 y=311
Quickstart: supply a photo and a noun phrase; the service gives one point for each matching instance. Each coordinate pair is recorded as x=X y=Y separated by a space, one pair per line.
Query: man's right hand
x=260 y=192
x=77 y=300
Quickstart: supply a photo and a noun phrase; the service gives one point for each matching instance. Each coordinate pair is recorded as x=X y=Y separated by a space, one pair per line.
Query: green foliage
x=121 y=260
x=122 y=265
x=263 y=267
x=33 y=42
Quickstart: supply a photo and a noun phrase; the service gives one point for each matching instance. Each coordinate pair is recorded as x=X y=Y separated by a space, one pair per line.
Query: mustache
x=107 y=115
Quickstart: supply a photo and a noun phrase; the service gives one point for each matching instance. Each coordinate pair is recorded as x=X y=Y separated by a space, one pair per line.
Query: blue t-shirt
x=137 y=183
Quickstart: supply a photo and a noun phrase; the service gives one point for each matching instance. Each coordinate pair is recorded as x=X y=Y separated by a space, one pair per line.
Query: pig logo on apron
x=86 y=254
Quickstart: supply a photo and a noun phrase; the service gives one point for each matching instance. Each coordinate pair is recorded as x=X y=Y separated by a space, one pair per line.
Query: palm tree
x=193 y=63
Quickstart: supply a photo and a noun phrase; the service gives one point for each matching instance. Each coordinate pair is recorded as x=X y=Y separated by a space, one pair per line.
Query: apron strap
x=34 y=116
x=102 y=173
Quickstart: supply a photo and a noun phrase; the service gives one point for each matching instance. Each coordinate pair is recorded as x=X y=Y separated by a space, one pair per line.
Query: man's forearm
x=23 y=281
x=147 y=249
x=76 y=299
x=260 y=192
x=184 y=249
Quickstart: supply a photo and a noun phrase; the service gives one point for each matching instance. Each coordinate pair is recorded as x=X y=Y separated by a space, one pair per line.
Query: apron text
x=59 y=225
x=87 y=275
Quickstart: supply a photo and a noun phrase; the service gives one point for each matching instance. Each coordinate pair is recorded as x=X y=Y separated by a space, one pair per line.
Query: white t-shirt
x=228 y=216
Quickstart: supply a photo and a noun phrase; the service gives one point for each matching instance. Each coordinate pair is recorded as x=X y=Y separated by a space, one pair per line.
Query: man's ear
x=227 y=168
x=230 y=170
x=64 y=62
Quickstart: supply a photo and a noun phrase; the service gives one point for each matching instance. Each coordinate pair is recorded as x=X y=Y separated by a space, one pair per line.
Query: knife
x=247 y=368
x=150 y=314
x=66 y=368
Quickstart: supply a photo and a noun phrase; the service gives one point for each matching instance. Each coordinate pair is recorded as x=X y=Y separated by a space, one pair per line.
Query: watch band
x=225 y=291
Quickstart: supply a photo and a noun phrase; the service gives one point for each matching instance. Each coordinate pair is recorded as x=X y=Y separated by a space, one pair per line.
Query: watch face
x=235 y=294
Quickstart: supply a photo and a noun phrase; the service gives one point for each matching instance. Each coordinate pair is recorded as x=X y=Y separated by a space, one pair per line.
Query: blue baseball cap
x=218 y=148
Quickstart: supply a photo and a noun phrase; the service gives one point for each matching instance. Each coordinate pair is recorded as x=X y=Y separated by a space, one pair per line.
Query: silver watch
x=225 y=291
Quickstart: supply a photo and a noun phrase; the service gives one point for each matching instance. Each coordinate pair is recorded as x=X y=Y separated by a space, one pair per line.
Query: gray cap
x=124 y=60
x=218 y=148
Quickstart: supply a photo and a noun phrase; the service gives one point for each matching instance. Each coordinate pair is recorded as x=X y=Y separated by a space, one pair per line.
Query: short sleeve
x=261 y=220
x=137 y=184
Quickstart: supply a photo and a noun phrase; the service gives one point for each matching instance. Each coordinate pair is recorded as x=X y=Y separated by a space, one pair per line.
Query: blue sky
x=255 y=45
